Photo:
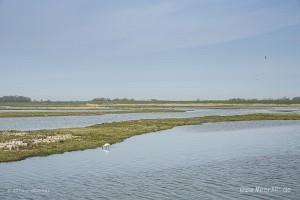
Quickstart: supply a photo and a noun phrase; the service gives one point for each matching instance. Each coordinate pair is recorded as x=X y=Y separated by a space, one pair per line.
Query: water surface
x=52 y=122
x=210 y=161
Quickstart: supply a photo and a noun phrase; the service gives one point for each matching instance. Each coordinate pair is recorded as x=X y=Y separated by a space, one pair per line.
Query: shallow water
x=36 y=123
x=58 y=110
x=210 y=161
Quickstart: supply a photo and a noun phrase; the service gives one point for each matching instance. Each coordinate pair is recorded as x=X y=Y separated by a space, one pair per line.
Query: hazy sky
x=176 y=49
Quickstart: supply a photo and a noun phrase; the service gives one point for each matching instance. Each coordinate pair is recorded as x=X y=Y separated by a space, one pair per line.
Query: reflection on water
x=210 y=161
x=35 y=123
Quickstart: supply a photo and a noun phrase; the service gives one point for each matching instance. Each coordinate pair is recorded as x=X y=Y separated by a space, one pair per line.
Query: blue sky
x=179 y=50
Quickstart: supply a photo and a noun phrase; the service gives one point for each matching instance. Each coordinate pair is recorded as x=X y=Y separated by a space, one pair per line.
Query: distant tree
x=124 y=100
x=296 y=99
x=102 y=99
x=237 y=100
x=15 y=99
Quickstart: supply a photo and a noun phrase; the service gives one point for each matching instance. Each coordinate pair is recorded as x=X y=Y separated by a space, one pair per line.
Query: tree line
x=15 y=99
x=284 y=100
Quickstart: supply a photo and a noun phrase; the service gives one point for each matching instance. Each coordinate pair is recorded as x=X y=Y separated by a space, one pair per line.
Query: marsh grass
x=80 y=113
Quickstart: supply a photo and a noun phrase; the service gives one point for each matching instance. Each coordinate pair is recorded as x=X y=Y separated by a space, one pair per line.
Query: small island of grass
x=16 y=145
x=29 y=113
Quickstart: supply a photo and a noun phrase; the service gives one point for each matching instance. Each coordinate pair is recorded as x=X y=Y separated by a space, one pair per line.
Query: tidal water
x=36 y=123
x=210 y=161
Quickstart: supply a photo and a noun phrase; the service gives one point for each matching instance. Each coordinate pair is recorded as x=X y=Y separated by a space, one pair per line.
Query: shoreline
x=80 y=113
x=95 y=136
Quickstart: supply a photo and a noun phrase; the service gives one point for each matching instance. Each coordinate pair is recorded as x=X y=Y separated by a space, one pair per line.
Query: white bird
x=106 y=147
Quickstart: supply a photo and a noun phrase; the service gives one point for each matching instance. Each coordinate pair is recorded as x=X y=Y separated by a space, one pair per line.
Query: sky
x=150 y=49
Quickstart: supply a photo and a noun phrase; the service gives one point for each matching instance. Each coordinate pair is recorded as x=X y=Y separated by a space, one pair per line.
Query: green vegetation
x=80 y=113
x=284 y=100
x=41 y=142
x=15 y=99
x=20 y=101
